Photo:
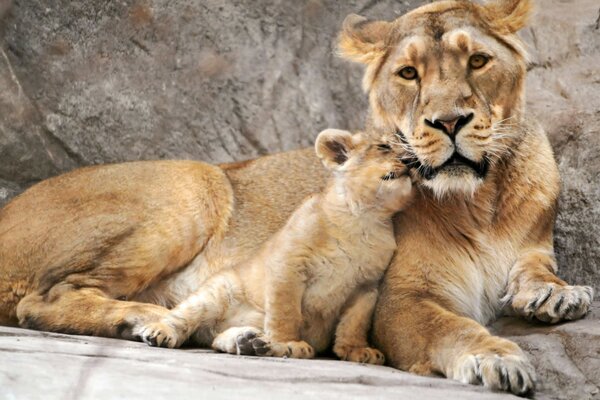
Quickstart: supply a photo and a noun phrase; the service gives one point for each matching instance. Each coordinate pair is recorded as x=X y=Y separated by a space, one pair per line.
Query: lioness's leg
x=352 y=330
x=418 y=334
x=201 y=310
x=87 y=311
x=534 y=290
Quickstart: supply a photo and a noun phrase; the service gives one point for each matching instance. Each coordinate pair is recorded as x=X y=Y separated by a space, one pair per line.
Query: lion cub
x=317 y=277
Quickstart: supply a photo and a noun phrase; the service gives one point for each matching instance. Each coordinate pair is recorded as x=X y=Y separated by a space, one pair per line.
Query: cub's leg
x=534 y=290
x=283 y=313
x=85 y=311
x=418 y=334
x=352 y=330
x=201 y=310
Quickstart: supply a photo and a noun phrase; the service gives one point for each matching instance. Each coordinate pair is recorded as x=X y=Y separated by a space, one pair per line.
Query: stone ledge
x=38 y=365
x=566 y=356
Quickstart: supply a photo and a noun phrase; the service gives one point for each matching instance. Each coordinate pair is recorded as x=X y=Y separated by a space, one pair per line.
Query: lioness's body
x=448 y=79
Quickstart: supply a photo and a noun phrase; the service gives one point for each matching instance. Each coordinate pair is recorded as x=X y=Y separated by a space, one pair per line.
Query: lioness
x=316 y=277
x=103 y=250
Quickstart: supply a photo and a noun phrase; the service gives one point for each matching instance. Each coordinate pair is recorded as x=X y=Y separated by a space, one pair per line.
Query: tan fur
x=109 y=231
x=320 y=270
x=77 y=249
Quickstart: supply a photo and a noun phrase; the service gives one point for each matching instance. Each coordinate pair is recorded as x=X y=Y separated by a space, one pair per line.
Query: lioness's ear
x=333 y=147
x=508 y=16
x=362 y=40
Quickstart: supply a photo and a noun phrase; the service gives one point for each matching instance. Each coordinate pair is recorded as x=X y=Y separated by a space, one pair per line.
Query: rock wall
x=88 y=82
x=564 y=94
x=106 y=81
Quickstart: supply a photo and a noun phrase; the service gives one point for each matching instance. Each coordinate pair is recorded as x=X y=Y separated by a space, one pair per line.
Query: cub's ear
x=507 y=16
x=333 y=147
x=362 y=40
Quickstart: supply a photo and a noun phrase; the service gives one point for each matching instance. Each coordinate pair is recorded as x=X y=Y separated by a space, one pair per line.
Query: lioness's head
x=447 y=79
x=367 y=173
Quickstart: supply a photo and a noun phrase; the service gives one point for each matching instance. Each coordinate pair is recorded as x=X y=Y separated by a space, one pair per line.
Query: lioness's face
x=447 y=82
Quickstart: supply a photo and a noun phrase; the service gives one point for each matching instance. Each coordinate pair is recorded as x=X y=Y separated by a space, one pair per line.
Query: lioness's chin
x=454 y=181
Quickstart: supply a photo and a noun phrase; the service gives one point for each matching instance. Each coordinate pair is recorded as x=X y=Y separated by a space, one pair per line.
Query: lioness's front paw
x=161 y=335
x=552 y=302
x=512 y=373
x=363 y=355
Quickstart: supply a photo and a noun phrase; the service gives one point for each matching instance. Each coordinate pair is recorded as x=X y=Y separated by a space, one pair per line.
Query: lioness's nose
x=450 y=125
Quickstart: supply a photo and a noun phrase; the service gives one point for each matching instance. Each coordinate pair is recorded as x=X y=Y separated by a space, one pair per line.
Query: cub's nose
x=450 y=125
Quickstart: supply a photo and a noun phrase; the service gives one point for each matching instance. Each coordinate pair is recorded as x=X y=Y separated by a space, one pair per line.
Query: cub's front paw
x=161 y=335
x=552 y=302
x=293 y=349
x=511 y=373
x=363 y=355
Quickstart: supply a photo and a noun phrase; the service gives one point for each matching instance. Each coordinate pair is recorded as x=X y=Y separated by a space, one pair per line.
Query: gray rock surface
x=38 y=365
x=566 y=356
x=88 y=82
x=218 y=81
x=564 y=94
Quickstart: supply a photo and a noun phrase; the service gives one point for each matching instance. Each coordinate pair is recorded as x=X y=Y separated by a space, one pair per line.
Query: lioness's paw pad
x=363 y=355
x=160 y=335
x=553 y=303
x=511 y=373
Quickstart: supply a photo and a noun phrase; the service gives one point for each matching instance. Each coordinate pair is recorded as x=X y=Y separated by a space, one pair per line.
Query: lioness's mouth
x=455 y=162
x=458 y=160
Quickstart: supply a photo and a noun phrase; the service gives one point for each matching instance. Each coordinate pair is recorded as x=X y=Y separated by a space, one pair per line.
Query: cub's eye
x=408 y=73
x=384 y=147
x=478 y=61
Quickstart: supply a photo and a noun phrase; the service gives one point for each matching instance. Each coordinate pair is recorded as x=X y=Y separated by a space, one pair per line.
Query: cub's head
x=447 y=79
x=366 y=173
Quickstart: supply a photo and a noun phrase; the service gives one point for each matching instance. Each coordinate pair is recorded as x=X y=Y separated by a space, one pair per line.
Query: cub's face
x=368 y=173
x=447 y=80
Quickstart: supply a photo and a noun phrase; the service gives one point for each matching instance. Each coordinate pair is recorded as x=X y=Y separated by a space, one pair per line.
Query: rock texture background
x=88 y=82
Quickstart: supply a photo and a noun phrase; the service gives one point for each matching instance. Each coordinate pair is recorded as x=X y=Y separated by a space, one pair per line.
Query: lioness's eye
x=478 y=60
x=408 y=73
